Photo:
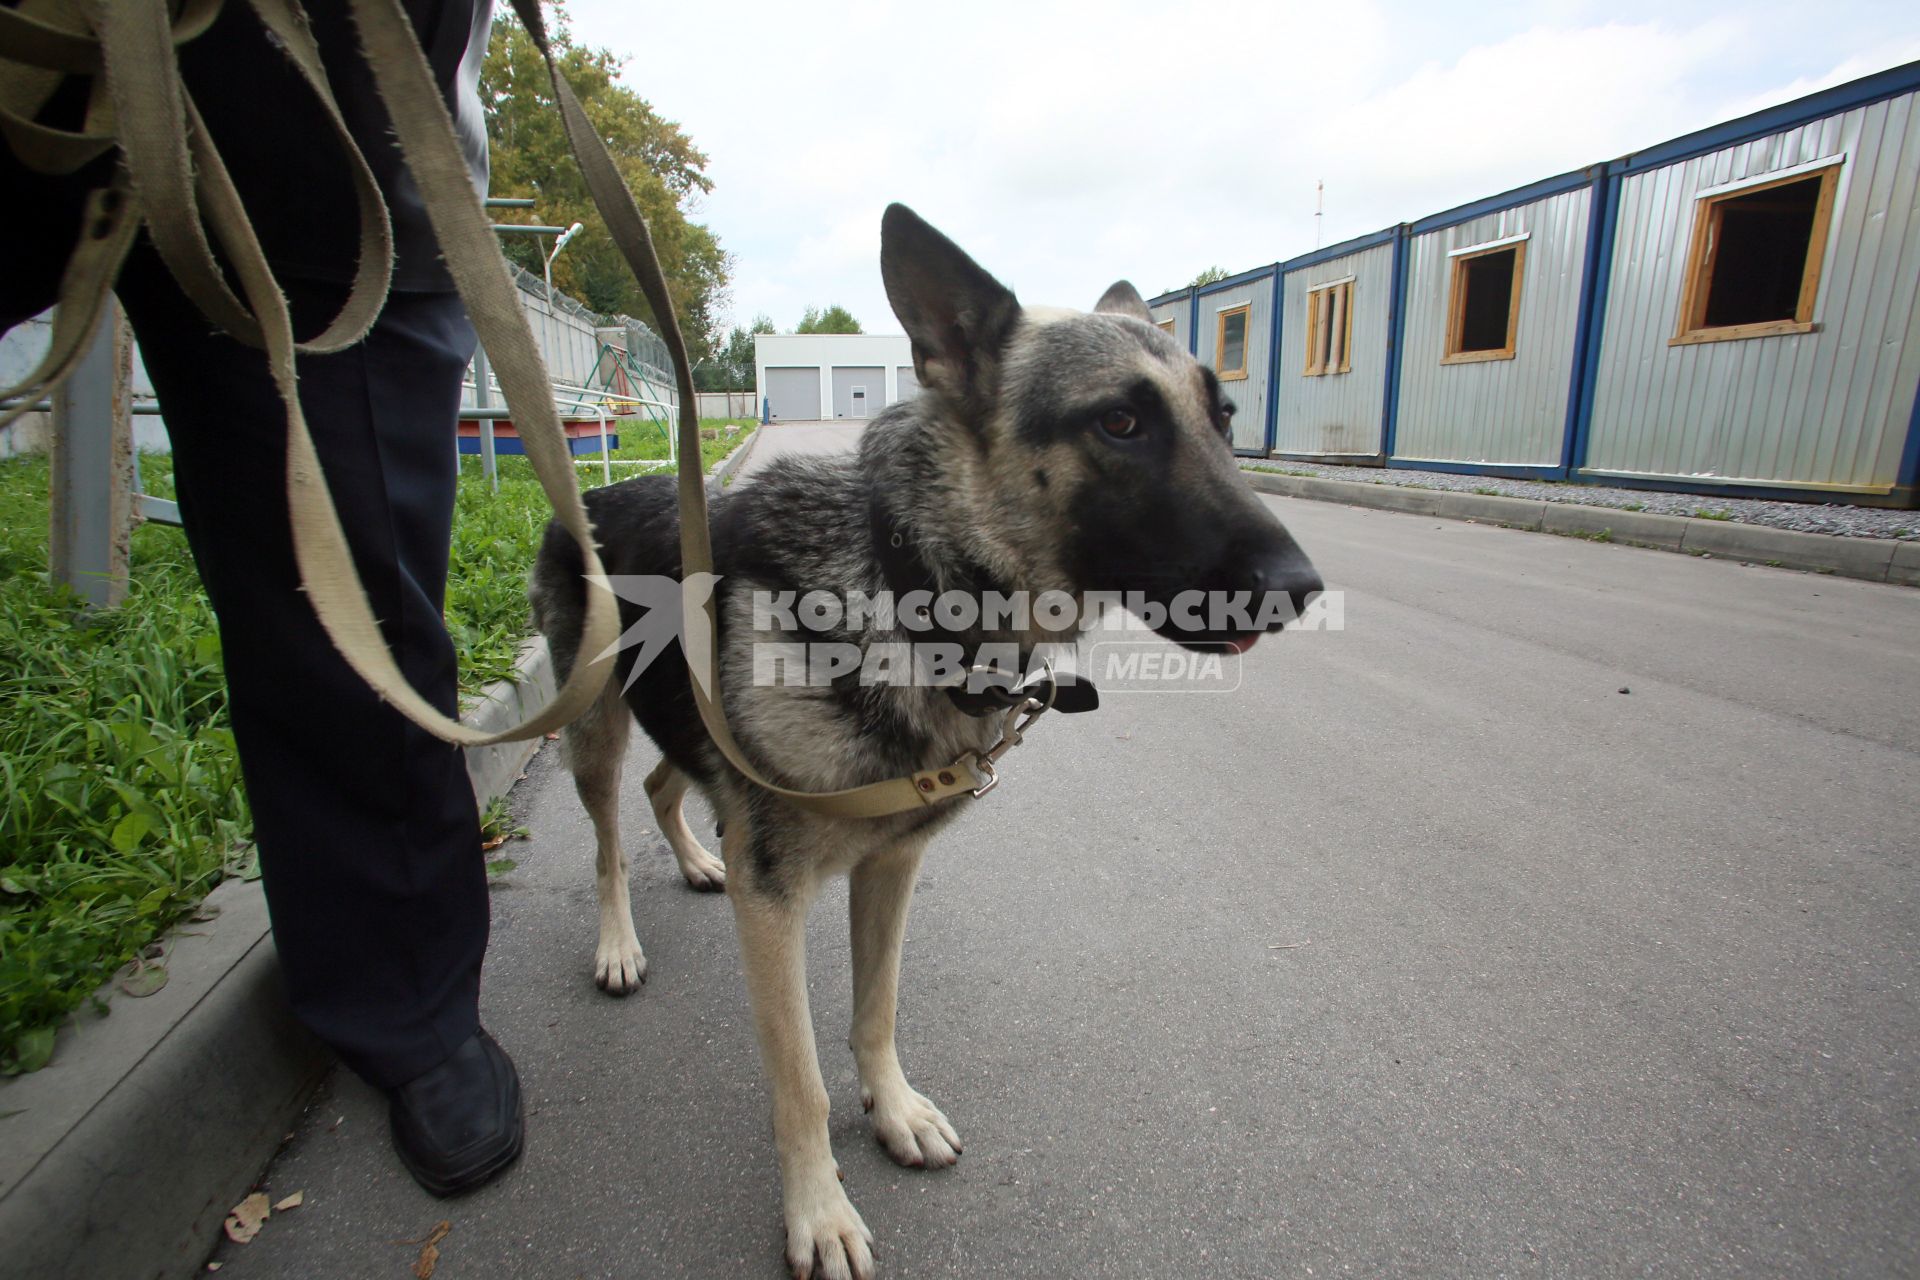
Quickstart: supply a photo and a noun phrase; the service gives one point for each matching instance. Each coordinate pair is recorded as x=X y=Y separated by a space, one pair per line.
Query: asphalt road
x=1428 y=951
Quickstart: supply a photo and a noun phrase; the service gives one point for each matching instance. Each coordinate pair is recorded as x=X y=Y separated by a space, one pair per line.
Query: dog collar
x=985 y=690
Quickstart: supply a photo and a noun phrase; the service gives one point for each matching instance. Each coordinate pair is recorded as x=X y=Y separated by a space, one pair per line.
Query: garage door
x=859 y=391
x=909 y=385
x=793 y=395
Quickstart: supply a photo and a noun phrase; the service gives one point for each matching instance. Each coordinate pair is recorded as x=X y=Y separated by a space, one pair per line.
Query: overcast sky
x=1068 y=145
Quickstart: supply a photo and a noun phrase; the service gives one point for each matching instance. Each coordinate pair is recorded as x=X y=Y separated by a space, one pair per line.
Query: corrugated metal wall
x=1338 y=413
x=1502 y=412
x=1249 y=395
x=1827 y=409
x=1174 y=309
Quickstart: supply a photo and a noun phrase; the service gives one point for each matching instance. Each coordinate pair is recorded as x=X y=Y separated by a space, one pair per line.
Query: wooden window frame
x=1336 y=294
x=1457 y=300
x=1690 y=325
x=1166 y=326
x=1220 y=341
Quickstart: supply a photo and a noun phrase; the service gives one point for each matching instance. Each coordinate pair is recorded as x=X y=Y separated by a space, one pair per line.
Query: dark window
x=1754 y=266
x=1487 y=282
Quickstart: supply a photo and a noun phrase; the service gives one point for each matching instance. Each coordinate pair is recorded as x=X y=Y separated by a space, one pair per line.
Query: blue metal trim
x=1588 y=322
x=1788 y=115
x=1510 y=471
x=1765 y=492
x=1193 y=323
x=1396 y=341
x=1274 y=327
x=1906 y=483
x=1605 y=216
x=1359 y=244
x=1540 y=190
x=1166 y=299
x=1233 y=282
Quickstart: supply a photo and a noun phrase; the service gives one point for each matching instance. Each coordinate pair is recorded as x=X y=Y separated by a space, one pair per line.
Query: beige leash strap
x=629 y=231
x=173 y=179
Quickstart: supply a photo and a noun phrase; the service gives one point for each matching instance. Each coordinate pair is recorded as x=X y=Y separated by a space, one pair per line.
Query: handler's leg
x=369 y=842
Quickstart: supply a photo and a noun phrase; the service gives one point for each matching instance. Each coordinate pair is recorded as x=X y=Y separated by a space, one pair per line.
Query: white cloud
x=1065 y=145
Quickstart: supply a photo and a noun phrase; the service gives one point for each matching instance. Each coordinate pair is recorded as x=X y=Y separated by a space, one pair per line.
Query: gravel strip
x=1801 y=517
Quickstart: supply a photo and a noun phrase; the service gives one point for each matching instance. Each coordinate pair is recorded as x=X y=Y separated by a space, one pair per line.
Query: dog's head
x=1102 y=445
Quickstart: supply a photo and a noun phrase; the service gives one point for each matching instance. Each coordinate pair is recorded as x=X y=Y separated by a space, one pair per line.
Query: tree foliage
x=835 y=319
x=730 y=368
x=665 y=171
x=1212 y=275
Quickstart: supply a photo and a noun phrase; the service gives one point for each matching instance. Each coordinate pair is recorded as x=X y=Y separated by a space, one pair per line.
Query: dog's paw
x=826 y=1240
x=911 y=1128
x=704 y=872
x=619 y=967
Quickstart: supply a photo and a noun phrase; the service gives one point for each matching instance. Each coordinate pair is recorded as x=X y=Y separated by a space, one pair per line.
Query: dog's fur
x=1000 y=475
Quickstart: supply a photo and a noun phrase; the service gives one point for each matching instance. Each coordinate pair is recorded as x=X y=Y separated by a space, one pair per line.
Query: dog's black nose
x=1284 y=568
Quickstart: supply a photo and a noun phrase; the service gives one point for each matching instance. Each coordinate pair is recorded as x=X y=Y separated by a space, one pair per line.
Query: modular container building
x=1232 y=324
x=1488 y=329
x=1759 y=328
x=1736 y=311
x=1174 y=313
x=1336 y=329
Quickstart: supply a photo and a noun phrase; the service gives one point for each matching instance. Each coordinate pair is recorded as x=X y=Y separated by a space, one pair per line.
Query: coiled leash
x=169 y=177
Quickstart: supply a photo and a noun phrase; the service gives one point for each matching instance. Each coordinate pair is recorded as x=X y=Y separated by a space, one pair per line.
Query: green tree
x=835 y=319
x=730 y=368
x=1212 y=275
x=665 y=171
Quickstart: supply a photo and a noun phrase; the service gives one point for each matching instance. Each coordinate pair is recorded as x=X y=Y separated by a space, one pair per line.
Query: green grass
x=123 y=801
x=1711 y=513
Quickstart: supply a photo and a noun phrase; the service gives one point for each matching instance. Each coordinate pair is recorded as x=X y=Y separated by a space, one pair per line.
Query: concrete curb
x=1870 y=559
x=130 y=1147
x=724 y=469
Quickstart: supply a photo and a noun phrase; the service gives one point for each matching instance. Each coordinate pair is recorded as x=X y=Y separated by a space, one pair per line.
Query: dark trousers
x=368 y=839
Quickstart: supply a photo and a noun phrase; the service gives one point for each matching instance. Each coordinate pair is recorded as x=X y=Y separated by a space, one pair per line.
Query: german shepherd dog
x=1049 y=451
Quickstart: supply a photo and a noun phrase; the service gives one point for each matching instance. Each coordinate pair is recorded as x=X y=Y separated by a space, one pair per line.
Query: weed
x=1486 y=492
x=1712 y=513
x=1633 y=506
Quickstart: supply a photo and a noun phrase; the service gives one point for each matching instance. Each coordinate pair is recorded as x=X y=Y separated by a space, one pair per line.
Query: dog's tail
x=558 y=592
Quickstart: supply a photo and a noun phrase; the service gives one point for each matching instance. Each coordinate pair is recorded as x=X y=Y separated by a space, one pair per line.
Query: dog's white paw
x=619 y=967
x=704 y=871
x=826 y=1240
x=911 y=1128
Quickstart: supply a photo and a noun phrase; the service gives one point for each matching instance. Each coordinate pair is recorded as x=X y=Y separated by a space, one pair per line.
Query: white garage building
x=808 y=376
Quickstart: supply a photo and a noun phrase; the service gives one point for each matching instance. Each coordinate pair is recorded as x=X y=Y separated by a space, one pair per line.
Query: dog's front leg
x=825 y=1235
x=911 y=1128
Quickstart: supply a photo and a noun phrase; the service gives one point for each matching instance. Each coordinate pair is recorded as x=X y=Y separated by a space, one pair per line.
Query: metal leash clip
x=1013 y=729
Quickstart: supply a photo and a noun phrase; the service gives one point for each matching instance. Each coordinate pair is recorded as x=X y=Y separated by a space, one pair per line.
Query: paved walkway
x=1428 y=951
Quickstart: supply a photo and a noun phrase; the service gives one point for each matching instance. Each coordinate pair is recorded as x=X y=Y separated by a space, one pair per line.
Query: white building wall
x=828 y=351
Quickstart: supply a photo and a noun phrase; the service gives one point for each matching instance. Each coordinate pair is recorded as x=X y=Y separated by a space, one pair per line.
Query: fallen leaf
x=140 y=977
x=500 y=866
x=243 y=1224
x=430 y=1251
x=293 y=1201
x=488 y=846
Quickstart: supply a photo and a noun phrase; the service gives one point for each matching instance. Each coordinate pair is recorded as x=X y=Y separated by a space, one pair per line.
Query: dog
x=1049 y=451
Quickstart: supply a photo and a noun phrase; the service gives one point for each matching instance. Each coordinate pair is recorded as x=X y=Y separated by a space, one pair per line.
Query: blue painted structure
x=1601 y=186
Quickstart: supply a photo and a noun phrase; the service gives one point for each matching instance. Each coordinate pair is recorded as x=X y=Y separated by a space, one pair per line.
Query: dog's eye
x=1119 y=424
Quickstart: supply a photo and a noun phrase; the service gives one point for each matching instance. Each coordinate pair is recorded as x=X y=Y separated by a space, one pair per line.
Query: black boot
x=459 y=1124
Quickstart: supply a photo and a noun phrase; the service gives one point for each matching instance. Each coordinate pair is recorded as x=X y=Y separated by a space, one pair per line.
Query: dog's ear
x=957 y=315
x=1123 y=300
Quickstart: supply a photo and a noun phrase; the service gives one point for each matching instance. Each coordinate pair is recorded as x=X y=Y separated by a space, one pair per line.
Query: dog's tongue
x=1240 y=644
